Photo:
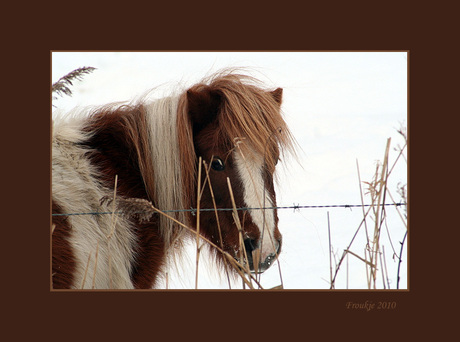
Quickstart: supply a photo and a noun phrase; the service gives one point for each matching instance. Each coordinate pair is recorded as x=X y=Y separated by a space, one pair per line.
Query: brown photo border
x=51 y=314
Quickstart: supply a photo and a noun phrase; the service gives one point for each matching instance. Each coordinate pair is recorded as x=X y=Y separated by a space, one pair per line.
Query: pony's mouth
x=254 y=261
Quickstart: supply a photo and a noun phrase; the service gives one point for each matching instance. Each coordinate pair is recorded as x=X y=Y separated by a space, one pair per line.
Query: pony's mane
x=167 y=190
x=250 y=117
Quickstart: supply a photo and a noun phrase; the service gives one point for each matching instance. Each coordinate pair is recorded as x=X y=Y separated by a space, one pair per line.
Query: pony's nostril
x=253 y=254
x=250 y=245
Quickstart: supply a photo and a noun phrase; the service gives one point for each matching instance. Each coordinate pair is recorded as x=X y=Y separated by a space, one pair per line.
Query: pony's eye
x=217 y=164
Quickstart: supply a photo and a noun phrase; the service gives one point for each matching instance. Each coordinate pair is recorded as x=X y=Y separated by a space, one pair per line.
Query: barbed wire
x=294 y=207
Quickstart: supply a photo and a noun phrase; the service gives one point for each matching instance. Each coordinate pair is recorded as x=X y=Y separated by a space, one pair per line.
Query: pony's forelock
x=250 y=117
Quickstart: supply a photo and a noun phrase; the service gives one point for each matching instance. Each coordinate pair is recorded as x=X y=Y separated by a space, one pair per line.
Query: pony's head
x=238 y=131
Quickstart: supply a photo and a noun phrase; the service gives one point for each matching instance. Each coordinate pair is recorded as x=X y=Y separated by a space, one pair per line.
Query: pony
x=149 y=151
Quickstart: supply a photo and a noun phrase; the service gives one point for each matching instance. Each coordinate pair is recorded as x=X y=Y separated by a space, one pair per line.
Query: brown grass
x=374 y=256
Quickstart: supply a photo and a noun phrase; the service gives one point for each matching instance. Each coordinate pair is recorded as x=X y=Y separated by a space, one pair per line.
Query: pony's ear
x=277 y=95
x=203 y=107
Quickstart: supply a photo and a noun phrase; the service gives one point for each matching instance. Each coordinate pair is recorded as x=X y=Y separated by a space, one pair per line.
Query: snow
x=341 y=107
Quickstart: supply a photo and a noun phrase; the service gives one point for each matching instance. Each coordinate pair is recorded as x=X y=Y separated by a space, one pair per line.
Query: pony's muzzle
x=259 y=262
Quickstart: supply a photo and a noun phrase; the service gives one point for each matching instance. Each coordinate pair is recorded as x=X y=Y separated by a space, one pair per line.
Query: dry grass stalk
x=362 y=201
x=198 y=200
x=385 y=267
x=238 y=267
x=330 y=250
x=347 y=270
x=95 y=266
x=256 y=259
x=114 y=219
x=368 y=279
x=113 y=207
x=242 y=250
x=379 y=191
x=86 y=271
x=382 y=269
x=363 y=260
x=206 y=168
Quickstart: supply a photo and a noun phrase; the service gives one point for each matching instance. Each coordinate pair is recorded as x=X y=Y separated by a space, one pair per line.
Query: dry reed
x=374 y=257
x=198 y=200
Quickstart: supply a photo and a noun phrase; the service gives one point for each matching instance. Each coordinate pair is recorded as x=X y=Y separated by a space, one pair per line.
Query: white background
x=341 y=107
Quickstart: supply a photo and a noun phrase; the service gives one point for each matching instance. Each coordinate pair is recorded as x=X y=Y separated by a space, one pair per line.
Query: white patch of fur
x=75 y=190
x=164 y=146
x=250 y=171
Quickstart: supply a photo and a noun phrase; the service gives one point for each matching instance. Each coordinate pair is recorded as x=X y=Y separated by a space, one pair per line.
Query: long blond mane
x=167 y=193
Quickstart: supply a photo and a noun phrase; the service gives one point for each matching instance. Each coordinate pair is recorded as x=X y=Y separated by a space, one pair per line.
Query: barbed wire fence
x=132 y=208
x=194 y=210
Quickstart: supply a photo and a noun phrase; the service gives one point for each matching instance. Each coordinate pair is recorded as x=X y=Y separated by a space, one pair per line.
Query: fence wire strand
x=293 y=207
